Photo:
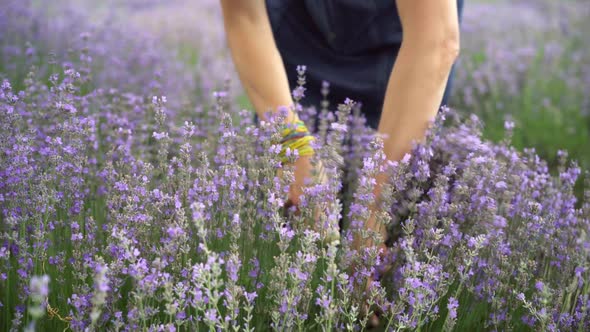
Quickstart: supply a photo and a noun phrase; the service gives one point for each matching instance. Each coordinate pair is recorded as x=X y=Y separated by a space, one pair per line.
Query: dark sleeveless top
x=350 y=43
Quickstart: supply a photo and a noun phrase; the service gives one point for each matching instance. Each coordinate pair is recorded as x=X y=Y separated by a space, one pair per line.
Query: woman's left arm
x=418 y=80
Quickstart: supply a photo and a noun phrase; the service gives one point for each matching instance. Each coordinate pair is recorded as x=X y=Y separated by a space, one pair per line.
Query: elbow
x=444 y=55
x=435 y=54
x=439 y=50
x=448 y=50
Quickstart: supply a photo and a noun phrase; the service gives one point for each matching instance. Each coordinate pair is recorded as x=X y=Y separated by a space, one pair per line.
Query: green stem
x=332 y=293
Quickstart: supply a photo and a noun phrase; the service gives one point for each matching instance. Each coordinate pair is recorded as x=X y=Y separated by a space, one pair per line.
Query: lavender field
x=138 y=194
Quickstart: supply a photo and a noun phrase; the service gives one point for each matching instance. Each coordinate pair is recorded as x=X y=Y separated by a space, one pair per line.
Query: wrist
x=296 y=137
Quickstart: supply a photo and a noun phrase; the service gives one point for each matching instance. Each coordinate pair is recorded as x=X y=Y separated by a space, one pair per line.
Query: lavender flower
x=168 y=213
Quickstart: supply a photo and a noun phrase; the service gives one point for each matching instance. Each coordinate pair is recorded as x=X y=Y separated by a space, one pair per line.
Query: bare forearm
x=413 y=96
x=256 y=58
x=418 y=80
x=419 y=77
x=415 y=90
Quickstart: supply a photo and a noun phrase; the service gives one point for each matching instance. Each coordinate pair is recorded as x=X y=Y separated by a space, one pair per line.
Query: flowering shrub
x=123 y=211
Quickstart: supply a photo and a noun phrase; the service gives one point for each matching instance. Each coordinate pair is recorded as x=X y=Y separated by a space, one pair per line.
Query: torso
x=350 y=43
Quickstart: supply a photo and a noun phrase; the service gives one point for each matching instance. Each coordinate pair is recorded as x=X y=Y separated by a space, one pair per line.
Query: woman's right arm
x=255 y=55
x=261 y=69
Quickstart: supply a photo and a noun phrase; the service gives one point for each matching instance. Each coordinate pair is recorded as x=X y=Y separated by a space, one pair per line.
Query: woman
x=359 y=47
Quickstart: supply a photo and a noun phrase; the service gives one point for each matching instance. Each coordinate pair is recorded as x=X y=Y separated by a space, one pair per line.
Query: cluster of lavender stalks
x=152 y=228
x=121 y=210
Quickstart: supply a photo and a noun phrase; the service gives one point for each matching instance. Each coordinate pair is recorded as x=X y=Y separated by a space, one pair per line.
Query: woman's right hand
x=303 y=177
x=303 y=171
